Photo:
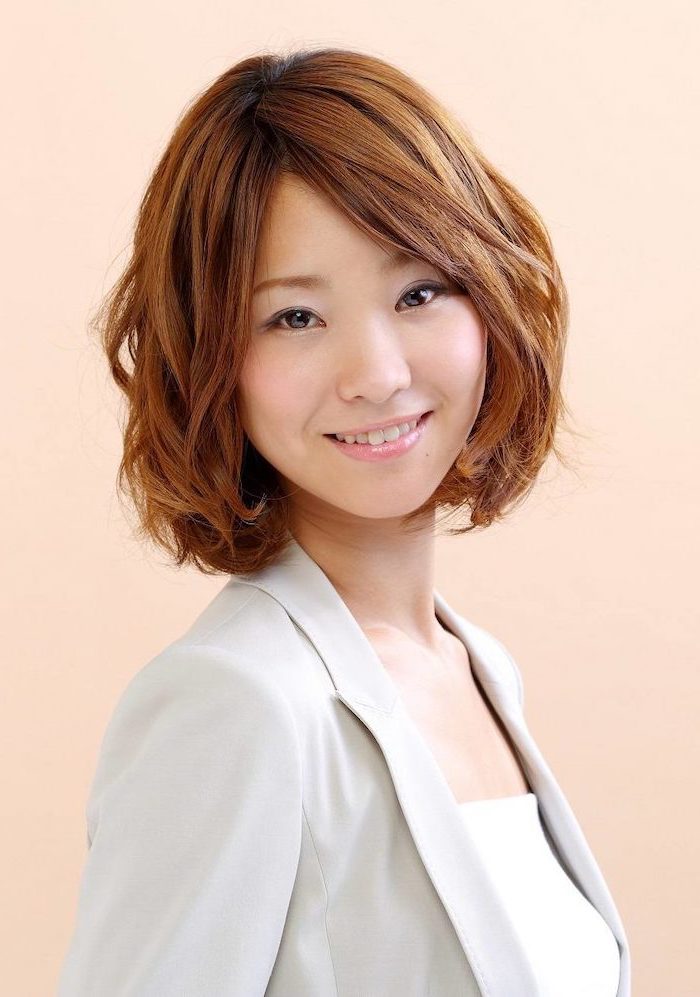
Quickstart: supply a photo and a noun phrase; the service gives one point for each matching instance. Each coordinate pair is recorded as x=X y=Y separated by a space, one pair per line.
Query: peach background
x=588 y=107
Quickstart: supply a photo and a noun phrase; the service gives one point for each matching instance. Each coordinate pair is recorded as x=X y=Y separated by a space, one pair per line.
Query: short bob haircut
x=409 y=175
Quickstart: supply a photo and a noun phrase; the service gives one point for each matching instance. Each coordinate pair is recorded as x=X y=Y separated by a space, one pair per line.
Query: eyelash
x=276 y=322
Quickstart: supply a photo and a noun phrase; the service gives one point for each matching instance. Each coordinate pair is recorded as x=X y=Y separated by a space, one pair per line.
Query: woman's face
x=363 y=340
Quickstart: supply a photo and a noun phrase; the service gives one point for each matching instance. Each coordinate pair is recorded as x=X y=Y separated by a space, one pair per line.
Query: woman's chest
x=455 y=718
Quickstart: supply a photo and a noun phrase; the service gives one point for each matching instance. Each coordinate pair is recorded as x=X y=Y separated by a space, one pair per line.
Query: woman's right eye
x=276 y=322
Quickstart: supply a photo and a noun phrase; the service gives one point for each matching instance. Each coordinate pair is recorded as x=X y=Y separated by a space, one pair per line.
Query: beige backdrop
x=591 y=108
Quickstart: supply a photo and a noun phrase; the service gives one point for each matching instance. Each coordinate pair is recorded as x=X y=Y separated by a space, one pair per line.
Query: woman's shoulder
x=242 y=655
x=203 y=701
x=229 y=643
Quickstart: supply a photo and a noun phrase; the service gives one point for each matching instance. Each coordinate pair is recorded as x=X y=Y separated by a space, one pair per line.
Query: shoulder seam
x=201 y=638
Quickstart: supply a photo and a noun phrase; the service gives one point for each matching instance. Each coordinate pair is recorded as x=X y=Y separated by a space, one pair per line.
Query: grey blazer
x=265 y=818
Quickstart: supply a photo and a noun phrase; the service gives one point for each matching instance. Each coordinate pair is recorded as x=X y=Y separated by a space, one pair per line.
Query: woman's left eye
x=437 y=290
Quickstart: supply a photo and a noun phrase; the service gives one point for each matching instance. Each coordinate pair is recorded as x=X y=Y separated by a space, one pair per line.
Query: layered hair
x=176 y=326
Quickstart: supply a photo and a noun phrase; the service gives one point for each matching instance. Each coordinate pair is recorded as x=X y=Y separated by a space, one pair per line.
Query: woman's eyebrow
x=399 y=258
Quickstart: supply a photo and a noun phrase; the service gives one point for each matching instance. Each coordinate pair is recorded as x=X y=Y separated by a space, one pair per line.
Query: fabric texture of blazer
x=265 y=818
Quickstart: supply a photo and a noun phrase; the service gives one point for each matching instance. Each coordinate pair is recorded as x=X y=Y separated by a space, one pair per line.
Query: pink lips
x=379 y=425
x=383 y=451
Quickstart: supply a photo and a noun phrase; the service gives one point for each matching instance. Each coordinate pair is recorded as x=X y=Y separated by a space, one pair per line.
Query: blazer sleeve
x=194 y=834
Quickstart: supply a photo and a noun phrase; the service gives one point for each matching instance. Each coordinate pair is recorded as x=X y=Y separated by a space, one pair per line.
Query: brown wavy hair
x=402 y=168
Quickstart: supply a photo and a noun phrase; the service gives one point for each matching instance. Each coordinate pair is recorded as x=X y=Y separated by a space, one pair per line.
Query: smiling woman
x=316 y=217
x=379 y=340
x=339 y=320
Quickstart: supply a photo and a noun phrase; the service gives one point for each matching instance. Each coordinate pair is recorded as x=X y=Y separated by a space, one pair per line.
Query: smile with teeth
x=376 y=436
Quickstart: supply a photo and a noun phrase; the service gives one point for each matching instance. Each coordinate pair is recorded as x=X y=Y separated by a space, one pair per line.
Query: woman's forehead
x=305 y=235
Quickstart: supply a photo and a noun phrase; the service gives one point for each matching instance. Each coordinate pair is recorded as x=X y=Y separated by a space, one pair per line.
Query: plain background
x=591 y=109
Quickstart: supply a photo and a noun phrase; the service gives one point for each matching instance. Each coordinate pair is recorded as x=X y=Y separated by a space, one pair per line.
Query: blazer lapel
x=451 y=860
x=556 y=812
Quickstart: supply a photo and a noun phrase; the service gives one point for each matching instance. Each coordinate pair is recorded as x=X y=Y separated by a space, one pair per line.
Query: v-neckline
x=431 y=810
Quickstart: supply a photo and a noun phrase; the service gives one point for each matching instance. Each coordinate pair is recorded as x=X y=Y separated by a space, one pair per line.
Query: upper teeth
x=376 y=436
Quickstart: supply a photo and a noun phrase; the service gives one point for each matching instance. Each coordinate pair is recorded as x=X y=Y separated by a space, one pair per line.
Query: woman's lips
x=383 y=451
x=398 y=421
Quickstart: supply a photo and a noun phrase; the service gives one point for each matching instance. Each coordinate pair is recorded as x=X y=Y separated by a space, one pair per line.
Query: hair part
x=393 y=159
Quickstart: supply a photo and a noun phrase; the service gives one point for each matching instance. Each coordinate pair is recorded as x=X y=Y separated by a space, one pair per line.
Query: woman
x=342 y=320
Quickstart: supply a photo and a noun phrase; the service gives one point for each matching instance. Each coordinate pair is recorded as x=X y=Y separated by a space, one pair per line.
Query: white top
x=571 y=948
x=316 y=882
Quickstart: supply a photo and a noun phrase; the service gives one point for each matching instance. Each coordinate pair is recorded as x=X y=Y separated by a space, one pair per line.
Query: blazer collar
x=494 y=952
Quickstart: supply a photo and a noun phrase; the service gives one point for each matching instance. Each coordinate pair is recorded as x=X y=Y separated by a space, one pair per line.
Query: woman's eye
x=298 y=314
x=435 y=289
x=295 y=313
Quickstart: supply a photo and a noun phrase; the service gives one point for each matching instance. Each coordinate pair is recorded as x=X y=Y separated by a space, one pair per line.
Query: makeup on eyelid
x=439 y=290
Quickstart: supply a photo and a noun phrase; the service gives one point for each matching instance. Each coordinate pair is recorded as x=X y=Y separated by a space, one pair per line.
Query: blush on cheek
x=272 y=407
x=465 y=352
x=282 y=404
